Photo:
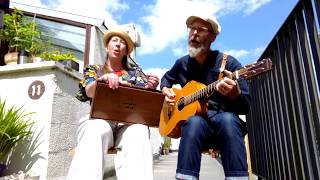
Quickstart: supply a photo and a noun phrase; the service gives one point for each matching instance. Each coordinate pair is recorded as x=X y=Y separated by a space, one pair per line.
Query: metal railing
x=284 y=121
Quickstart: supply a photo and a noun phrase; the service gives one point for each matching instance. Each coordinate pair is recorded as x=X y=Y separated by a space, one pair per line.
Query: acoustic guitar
x=187 y=99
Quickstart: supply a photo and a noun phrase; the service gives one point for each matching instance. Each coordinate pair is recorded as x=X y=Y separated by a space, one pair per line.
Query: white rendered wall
x=56 y=113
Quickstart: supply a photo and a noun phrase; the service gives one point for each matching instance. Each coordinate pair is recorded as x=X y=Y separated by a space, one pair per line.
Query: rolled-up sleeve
x=89 y=76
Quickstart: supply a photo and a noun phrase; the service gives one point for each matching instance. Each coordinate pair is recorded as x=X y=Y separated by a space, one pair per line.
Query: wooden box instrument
x=126 y=104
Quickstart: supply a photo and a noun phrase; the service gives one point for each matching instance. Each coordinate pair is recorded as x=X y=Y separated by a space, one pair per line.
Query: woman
x=95 y=137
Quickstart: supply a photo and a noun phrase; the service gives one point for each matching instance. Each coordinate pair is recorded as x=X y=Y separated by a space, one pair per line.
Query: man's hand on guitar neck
x=228 y=87
x=170 y=95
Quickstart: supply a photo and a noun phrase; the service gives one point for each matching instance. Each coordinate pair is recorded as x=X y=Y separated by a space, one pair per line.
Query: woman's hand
x=111 y=79
x=153 y=81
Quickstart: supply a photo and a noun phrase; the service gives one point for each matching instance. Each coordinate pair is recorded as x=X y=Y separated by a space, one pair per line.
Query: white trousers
x=95 y=137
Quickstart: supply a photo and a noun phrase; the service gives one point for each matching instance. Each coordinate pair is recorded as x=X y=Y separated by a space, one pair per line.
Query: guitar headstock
x=255 y=69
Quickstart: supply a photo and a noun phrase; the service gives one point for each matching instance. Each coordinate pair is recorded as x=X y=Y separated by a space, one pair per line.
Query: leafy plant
x=55 y=55
x=167 y=142
x=14 y=127
x=21 y=33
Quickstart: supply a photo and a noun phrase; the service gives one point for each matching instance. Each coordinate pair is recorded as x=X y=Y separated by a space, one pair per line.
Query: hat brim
x=120 y=33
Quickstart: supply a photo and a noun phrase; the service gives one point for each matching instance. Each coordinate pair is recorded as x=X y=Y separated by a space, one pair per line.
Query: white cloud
x=246 y=56
x=258 y=51
x=238 y=53
x=164 y=24
x=16 y=3
x=179 y=51
x=156 y=71
x=238 y=6
x=254 y=5
x=110 y=10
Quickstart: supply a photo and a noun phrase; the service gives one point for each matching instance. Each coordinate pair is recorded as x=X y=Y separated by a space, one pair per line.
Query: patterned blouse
x=132 y=77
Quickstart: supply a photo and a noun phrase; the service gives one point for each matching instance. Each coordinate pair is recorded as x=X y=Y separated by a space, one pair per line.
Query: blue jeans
x=224 y=131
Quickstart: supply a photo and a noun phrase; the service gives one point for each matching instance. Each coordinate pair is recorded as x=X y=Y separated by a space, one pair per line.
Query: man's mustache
x=194 y=39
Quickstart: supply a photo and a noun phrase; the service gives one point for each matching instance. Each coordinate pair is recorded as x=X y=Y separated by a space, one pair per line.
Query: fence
x=284 y=122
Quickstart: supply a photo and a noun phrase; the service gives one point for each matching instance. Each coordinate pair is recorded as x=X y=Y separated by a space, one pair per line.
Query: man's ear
x=213 y=37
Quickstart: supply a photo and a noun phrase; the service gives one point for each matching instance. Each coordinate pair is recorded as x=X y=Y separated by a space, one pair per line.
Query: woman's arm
x=90 y=89
x=89 y=76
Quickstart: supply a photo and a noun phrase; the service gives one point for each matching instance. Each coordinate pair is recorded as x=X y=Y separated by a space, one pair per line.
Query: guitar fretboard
x=198 y=95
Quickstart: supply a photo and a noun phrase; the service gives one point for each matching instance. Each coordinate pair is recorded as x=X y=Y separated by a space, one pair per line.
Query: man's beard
x=193 y=52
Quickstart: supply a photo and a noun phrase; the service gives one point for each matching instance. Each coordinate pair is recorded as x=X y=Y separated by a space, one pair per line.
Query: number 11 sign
x=36 y=89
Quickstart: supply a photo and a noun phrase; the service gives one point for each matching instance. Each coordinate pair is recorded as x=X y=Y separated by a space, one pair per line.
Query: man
x=221 y=126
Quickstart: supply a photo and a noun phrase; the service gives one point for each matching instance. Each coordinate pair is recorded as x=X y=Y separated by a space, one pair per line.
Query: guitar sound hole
x=181 y=104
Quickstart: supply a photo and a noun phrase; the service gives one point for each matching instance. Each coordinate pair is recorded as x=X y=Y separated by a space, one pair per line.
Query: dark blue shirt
x=186 y=69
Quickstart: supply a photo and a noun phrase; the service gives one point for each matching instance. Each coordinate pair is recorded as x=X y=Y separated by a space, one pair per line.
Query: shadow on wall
x=24 y=156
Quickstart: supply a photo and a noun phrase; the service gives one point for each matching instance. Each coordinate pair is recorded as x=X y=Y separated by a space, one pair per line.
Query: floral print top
x=132 y=77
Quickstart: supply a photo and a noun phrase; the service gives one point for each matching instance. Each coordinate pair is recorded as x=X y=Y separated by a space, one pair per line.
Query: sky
x=247 y=26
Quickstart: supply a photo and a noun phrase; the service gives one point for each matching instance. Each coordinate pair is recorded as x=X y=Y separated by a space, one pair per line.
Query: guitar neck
x=199 y=94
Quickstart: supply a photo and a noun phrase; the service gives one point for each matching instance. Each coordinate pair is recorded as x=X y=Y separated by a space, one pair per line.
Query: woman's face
x=116 y=48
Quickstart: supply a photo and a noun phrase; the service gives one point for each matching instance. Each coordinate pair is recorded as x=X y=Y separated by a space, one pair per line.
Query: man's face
x=200 y=37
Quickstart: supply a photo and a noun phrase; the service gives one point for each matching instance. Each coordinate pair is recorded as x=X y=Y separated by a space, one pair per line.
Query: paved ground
x=165 y=167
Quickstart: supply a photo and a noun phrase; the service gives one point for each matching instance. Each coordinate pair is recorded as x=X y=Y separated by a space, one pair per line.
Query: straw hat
x=117 y=32
x=211 y=20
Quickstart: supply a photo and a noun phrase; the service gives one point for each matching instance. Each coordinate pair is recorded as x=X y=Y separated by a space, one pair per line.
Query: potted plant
x=14 y=127
x=68 y=58
x=21 y=34
x=166 y=145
